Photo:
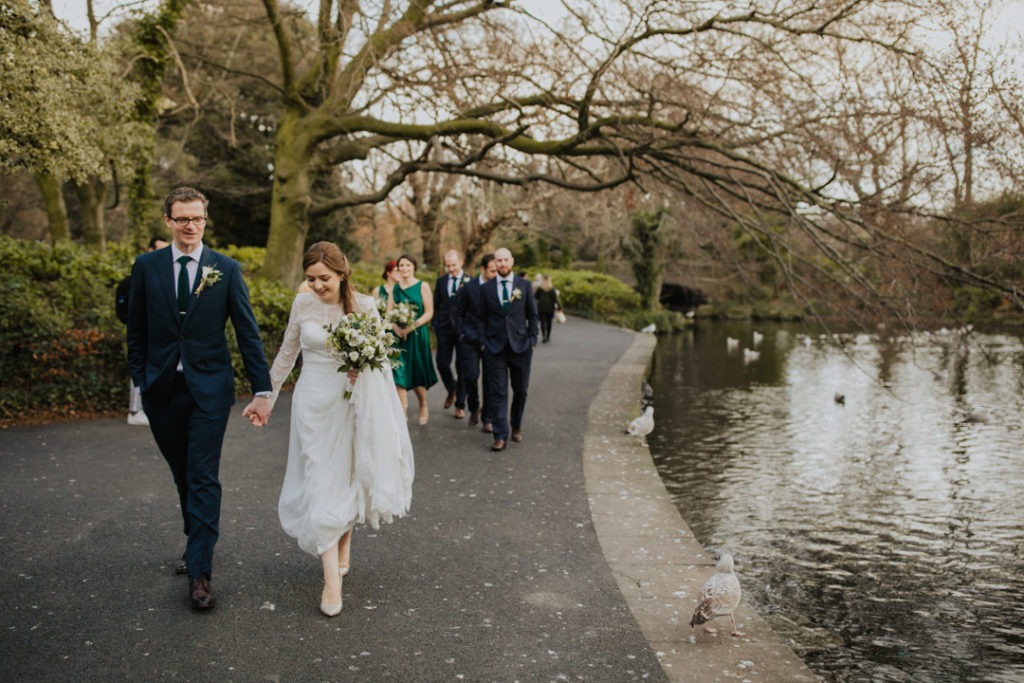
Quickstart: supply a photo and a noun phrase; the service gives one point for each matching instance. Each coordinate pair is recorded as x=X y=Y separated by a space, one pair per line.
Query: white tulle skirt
x=350 y=461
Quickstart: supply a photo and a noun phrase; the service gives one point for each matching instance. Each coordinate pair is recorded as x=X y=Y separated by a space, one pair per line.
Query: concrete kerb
x=657 y=563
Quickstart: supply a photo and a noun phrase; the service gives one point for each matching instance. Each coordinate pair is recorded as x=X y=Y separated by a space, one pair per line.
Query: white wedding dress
x=349 y=460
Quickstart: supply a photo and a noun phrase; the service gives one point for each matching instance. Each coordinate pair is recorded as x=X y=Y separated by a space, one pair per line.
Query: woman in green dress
x=416 y=370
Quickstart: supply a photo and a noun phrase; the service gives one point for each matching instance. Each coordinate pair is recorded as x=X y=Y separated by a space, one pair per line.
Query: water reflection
x=883 y=534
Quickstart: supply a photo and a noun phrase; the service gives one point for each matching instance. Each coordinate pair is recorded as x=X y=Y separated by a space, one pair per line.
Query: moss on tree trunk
x=56 y=211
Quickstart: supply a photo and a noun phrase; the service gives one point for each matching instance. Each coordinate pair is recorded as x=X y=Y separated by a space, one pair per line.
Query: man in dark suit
x=469 y=343
x=446 y=293
x=507 y=326
x=180 y=299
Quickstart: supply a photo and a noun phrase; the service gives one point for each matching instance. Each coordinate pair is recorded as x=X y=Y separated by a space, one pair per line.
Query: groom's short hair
x=184 y=194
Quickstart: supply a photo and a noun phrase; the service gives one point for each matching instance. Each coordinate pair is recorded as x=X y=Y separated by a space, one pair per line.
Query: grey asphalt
x=496 y=574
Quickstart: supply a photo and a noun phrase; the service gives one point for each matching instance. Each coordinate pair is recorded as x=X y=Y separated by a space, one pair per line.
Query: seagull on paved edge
x=643 y=425
x=719 y=596
x=649 y=329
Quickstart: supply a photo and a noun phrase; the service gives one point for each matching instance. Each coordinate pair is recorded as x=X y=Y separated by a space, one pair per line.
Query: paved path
x=496 y=573
x=560 y=559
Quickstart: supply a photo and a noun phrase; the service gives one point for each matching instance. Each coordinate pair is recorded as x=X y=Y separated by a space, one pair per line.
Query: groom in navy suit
x=507 y=327
x=180 y=299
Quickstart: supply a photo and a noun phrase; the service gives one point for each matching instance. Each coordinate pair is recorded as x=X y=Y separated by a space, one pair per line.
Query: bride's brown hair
x=328 y=254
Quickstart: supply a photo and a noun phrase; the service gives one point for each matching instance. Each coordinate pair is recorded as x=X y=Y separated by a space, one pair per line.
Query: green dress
x=417 y=366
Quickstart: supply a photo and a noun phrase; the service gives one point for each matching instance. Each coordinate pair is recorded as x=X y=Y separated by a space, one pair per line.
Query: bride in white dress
x=349 y=460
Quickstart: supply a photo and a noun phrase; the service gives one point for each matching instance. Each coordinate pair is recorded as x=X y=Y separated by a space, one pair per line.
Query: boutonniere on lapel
x=463 y=280
x=516 y=294
x=209 y=278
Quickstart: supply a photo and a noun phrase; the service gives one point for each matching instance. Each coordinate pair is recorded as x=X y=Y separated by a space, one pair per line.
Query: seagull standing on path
x=719 y=596
x=643 y=425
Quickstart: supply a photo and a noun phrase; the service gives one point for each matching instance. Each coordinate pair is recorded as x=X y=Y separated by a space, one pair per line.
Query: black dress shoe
x=474 y=418
x=517 y=435
x=199 y=593
x=487 y=428
x=499 y=445
x=181 y=567
x=450 y=400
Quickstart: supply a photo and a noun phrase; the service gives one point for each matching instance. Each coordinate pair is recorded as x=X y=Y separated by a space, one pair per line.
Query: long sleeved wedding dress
x=350 y=461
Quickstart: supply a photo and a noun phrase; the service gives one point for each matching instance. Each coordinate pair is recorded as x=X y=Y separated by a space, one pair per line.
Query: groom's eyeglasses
x=199 y=221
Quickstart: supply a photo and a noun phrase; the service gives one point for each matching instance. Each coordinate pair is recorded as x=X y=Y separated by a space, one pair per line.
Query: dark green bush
x=602 y=297
x=62 y=343
x=63 y=346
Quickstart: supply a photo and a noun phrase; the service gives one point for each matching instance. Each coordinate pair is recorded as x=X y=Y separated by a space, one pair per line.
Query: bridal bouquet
x=403 y=315
x=360 y=342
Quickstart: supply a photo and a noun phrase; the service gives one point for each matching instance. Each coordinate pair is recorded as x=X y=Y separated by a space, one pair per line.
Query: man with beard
x=508 y=329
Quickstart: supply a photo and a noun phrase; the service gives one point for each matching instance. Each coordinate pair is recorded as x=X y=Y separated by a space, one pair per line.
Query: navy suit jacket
x=464 y=316
x=158 y=336
x=517 y=326
x=444 y=304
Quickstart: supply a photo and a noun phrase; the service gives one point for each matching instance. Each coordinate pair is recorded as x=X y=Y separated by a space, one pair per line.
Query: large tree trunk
x=92 y=195
x=430 y=238
x=56 y=211
x=289 y=209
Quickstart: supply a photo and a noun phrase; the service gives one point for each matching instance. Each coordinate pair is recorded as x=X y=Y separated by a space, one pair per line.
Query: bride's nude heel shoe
x=332 y=610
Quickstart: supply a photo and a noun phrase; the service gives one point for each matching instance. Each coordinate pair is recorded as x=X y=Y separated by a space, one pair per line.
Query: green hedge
x=64 y=348
x=602 y=297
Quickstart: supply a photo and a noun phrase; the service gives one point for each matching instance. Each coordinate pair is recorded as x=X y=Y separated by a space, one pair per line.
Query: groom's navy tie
x=504 y=295
x=183 y=283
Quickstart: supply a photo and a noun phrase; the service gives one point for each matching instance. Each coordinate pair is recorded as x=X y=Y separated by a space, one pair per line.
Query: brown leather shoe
x=474 y=418
x=499 y=445
x=450 y=400
x=199 y=593
x=459 y=413
x=181 y=567
x=517 y=435
x=487 y=428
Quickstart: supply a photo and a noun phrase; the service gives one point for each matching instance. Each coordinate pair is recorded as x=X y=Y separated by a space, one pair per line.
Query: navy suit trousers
x=502 y=369
x=447 y=345
x=190 y=440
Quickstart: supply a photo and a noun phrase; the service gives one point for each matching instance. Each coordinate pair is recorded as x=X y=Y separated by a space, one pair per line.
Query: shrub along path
x=496 y=573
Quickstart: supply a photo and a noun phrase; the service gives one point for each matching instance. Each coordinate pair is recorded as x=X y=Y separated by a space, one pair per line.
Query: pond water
x=881 y=534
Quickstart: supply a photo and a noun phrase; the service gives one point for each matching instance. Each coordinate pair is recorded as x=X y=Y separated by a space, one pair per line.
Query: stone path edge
x=656 y=560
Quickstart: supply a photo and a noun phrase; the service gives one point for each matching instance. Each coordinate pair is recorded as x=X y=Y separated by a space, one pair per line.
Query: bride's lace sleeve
x=290 y=346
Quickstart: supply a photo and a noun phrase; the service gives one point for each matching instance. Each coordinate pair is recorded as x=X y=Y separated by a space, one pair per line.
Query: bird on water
x=719 y=596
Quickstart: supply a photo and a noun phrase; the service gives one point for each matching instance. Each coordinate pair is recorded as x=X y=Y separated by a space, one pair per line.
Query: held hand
x=258 y=411
x=352 y=375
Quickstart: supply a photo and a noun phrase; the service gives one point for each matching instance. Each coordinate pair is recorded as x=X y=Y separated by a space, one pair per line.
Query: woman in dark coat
x=547 y=304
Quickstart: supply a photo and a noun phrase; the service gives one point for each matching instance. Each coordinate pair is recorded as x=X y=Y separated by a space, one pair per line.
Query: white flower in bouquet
x=403 y=315
x=359 y=342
